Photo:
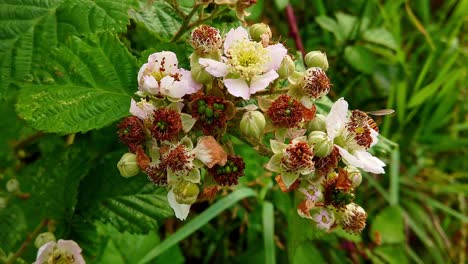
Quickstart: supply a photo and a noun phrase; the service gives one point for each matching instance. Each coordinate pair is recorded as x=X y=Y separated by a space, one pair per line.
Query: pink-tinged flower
x=324 y=218
x=160 y=76
x=64 y=251
x=143 y=109
x=312 y=193
x=353 y=136
x=247 y=66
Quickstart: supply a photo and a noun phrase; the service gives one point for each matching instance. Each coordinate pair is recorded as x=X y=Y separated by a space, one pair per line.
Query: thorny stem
x=294 y=31
x=27 y=241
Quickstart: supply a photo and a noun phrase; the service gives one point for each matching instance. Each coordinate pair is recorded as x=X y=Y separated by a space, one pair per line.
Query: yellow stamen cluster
x=247 y=58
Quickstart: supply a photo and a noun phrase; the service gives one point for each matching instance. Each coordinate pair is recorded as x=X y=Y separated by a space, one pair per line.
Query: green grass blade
x=198 y=222
x=394 y=177
x=269 y=233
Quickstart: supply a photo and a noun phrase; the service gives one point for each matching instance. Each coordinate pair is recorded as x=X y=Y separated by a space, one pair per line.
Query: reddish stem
x=293 y=29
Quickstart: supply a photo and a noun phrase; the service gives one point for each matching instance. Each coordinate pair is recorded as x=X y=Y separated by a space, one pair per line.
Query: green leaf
x=389 y=224
x=129 y=204
x=331 y=25
x=12 y=227
x=392 y=254
x=31 y=28
x=360 y=58
x=159 y=18
x=199 y=221
x=281 y=4
x=94 y=79
x=380 y=36
x=306 y=253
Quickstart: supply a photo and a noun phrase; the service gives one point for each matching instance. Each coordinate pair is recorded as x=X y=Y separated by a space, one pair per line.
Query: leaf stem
x=185 y=25
x=27 y=241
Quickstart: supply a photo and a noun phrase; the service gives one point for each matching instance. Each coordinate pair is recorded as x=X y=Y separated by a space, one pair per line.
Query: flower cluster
x=245 y=84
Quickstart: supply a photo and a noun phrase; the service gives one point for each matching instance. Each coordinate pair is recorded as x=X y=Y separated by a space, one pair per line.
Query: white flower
x=353 y=136
x=324 y=219
x=181 y=210
x=143 y=109
x=64 y=251
x=161 y=76
x=248 y=66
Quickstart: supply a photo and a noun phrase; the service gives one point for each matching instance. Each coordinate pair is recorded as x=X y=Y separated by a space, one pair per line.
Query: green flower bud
x=354 y=175
x=322 y=144
x=257 y=30
x=317 y=124
x=44 y=238
x=199 y=74
x=316 y=59
x=13 y=185
x=186 y=192
x=252 y=124
x=128 y=166
x=286 y=68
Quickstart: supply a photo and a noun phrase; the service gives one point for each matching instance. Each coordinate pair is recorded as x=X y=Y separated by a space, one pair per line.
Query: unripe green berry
x=316 y=59
x=257 y=30
x=286 y=68
x=354 y=175
x=186 y=192
x=128 y=166
x=252 y=124
x=323 y=146
x=44 y=238
x=13 y=185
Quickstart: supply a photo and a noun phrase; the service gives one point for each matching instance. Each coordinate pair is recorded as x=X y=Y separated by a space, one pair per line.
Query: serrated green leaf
x=12 y=227
x=159 y=18
x=31 y=28
x=389 y=225
x=94 y=79
x=360 y=58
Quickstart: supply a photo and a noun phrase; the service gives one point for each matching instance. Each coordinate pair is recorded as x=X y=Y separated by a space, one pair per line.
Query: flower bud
x=205 y=39
x=353 y=219
x=252 y=124
x=13 y=185
x=128 y=166
x=260 y=31
x=317 y=124
x=186 y=192
x=199 y=74
x=286 y=68
x=354 y=175
x=316 y=59
x=44 y=238
x=322 y=144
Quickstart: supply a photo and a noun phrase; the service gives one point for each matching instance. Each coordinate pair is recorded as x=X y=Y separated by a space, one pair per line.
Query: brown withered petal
x=210 y=152
x=228 y=175
x=131 y=132
x=282 y=186
x=288 y=112
x=338 y=191
x=328 y=163
x=166 y=124
x=143 y=160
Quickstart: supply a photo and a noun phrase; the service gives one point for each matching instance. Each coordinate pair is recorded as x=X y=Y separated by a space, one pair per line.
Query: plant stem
x=175 y=4
x=294 y=31
x=27 y=241
x=185 y=25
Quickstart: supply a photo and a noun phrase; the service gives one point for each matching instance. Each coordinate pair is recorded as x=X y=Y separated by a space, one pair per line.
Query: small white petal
x=234 y=35
x=44 y=252
x=371 y=163
x=181 y=210
x=141 y=71
x=165 y=61
x=277 y=53
x=137 y=111
x=374 y=135
x=238 y=87
x=171 y=87
x=187 y=80
x=336 y=118
x=261 y=82
x=149 y=85
x=349 y=159
x=215 y=68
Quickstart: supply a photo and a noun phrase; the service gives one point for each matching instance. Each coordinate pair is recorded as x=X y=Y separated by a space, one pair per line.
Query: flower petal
x=349 y=159
x=370 y=163
x=261 y=82
x=238 y=87
x=215 y=68
x=149 y=85
x=277 y=53
x=210 y=152
x=141 y=71
x=187 y=80
x=181 y=210
x=234 y=35
x=73 y=248
x=374 y=135
x=165 y=62
x=137 y=111
x=336 y=118
x=44 y=252
x=173 y=88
